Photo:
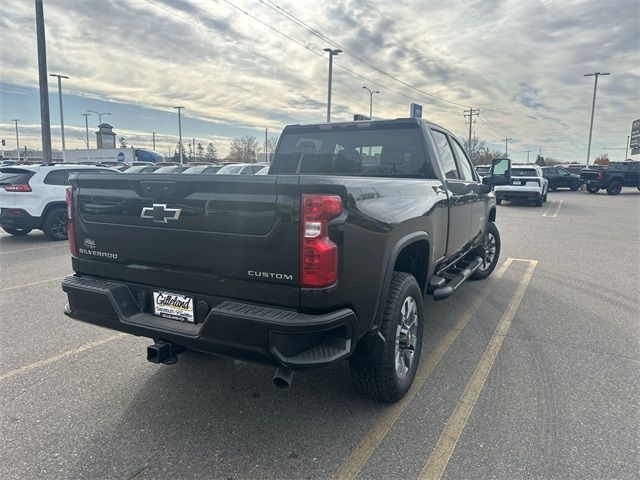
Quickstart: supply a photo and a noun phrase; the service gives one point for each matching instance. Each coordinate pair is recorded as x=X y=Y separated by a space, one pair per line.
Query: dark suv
x=560 y=177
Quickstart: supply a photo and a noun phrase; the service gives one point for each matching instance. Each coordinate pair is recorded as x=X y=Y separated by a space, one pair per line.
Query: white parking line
x=551 y=207
x=60 y=356
x=33 y=248
x=30 y=284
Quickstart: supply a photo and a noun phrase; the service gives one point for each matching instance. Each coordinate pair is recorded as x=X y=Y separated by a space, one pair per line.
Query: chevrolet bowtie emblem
x=160 y=213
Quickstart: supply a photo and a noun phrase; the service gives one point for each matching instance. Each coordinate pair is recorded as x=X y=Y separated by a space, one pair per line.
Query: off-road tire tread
x=375 y=380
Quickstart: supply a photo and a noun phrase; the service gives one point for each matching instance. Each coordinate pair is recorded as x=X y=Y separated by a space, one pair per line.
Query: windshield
x=170 y=169
x=523 y=172
x=379 y=150
x=14 y=176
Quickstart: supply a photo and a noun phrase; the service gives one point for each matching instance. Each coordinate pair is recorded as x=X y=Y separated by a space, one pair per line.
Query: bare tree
x=475 y=149
x=199 y=151
x=123 y=142
x=243 y=149
x=271 y=144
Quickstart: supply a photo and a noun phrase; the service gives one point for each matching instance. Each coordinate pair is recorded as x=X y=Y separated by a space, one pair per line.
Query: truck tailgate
x=233 y=236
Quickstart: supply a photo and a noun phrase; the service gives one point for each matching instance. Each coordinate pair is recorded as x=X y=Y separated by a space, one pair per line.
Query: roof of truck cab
x=363 y=123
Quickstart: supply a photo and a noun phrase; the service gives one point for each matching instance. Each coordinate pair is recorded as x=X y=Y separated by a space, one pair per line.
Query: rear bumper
x=18 y=218
x=240 y=330
x=518 y=194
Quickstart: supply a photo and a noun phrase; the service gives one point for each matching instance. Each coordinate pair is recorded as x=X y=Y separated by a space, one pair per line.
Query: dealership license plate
x=173 y=306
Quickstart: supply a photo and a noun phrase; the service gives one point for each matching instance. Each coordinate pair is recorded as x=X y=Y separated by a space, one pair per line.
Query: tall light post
x=15 y=120
x=154 y=140
x=332 y=53
x=86 y=127
x=45 y=121
x=60 y=77
x=180 y=131
x=593 y=107
x=266 y=154
x=99 y=115
x=371 y=92
x=626 y=148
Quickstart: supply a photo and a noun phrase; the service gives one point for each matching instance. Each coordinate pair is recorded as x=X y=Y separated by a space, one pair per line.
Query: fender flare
x=391 y=261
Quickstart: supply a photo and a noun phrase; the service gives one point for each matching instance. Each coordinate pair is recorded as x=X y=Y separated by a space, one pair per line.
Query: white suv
x=527 y=183
x=33 y=197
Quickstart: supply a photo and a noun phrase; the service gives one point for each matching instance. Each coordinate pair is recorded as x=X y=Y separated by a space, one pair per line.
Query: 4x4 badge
x=160 y=213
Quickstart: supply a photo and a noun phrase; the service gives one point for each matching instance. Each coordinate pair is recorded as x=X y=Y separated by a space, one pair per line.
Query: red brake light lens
x=318 y=254
x=71 y=233
x=17 y=188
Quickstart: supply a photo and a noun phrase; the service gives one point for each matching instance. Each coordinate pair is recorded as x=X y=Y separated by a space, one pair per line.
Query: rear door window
x=446 y=155
x=57 y=177
x=466 y=170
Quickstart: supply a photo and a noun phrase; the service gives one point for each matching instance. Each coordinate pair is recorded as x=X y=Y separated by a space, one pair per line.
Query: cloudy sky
x=240 y=66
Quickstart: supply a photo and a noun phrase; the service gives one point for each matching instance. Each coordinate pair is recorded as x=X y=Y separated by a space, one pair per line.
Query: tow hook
x=283 y=378
x=164 y=352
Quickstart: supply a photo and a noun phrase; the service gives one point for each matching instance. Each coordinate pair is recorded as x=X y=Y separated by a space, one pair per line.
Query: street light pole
x=266 y=154
x=154 y=140
x=332 y=53
x=371 y=92
x=180 y=131
x=593 y=107
x=15 y=120
x=99 y=116
x=60 y=77
x=86 y=127
x=45 y=120
x=626 y=148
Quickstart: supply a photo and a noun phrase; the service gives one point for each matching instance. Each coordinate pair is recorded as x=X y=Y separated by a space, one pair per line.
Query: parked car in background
x=242 y=168
x=171 y=169
x=483 y=170
x=527 y=183
x=560 y=177
x=263 y=171
x=613 y=178
x=33 y=197
x=141 y=169
x=206 y=169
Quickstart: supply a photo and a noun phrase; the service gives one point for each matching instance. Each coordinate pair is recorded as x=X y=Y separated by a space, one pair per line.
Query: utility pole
x=527 y=155
x=154 y=141
x=506 y=146
x=86 y=127
x=180 y=132
x=332 y=53
x=470 y=113
x=15 y=120
x=193 y=143
x=60 y=77
x=44 y=86
x=593 y=107
x=266 y=155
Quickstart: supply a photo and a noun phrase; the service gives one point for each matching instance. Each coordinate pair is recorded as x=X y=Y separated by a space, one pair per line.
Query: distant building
x=31 y=155
x=105 y=136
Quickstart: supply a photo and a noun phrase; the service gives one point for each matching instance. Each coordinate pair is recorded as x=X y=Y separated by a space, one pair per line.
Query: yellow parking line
x=60 y=356
x=439 y=458
x=352 y=465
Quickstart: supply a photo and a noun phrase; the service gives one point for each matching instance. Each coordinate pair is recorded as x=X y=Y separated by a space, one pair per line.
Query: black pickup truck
x=326 y=257
x=612 y=178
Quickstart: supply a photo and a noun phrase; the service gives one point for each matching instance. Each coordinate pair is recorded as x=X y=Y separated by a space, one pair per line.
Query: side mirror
x=500 y=172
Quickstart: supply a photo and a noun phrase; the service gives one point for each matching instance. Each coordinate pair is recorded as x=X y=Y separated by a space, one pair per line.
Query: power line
x=317 y=33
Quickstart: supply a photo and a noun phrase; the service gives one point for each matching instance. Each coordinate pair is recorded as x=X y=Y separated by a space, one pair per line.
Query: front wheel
x=498 y=201
x=490 y=253
x=575 y=187
x=390 y=378
x=18 y=232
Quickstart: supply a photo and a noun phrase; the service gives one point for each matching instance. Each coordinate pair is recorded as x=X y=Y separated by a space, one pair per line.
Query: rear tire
x=575 y=187
x=55 y=224
x=18 y=232
x=490 y=253
x=498 y=201
x=592 y=189
x=390 y=378
x=614 y=188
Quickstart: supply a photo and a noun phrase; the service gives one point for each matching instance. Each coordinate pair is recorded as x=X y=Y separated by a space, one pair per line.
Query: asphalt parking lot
x=533 y=373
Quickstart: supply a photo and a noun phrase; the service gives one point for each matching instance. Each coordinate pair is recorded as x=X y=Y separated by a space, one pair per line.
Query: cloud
x=520 y=63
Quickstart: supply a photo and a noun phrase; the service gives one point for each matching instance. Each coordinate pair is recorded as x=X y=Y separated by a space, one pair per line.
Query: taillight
x=17 y=188
x=600 y=175
x=318 y=254
x=71 y=233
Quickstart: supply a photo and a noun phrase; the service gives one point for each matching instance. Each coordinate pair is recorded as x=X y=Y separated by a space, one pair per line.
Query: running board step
x=451 y=286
